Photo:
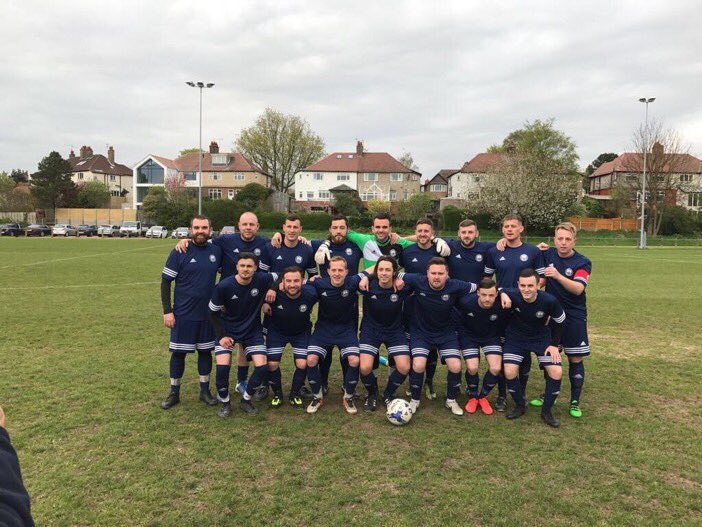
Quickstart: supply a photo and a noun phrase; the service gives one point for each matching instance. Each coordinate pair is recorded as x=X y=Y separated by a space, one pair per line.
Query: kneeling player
x=528 y=331
x=236 y=316
x=382 y=324
x=290 y=324
x=480 y=324
x=194 y=273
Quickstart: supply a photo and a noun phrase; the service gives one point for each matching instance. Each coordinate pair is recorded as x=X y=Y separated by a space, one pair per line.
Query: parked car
x=227 y=229
x=63 y=229
x=36 y=229
x=132 y=228
x=11 y=229
x=87 y=230
x=157 y=231
x=180 y=232
x=108 y=230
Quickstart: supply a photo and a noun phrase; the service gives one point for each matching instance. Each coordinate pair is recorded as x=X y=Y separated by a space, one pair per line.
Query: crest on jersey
x=257 y=251
x=298 y=259
x=345 y=293
x=478 y=257
x=523 y=257
x=539 y=314
x=303 y=308
x=213 y=258
x=569 y=272
x=493 y=317
x=393 y=297
x=445 y=298
x=393 y=253
x=254 y=292
x=349 y=251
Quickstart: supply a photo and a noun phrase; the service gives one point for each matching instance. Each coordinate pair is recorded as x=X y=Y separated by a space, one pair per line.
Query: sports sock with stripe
x=177 y=367
x=576 y=374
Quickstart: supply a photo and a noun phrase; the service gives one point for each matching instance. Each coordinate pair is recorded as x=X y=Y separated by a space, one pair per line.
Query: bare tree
x=666 y=160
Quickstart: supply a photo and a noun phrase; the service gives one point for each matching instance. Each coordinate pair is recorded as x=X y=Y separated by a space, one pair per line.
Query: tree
x=52 y=180
x=347 y=203
x=376 y=206
x=536 y=177
x=252 y=196
x=187 y=151
x=156 y=207
x=414 y=208
x=666 y=158
x=93 y=195
x=407 y=160
x=281 y=145
x=20 y=176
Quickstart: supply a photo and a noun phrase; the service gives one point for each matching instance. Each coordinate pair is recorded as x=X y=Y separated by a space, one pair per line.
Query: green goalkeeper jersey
x=373 y=249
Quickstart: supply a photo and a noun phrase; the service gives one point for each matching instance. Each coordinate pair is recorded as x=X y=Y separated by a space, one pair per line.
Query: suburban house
x=96 y=167
x=223 y=174
x=684 y=187
x=466 y=183
x=437 y=186
x=374 y=175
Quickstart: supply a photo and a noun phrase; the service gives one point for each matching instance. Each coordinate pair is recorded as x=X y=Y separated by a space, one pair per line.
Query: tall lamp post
x=200 y=85
x=642 y=236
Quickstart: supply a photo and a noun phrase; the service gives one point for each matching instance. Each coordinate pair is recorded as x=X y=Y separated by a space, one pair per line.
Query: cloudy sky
x=442 y=80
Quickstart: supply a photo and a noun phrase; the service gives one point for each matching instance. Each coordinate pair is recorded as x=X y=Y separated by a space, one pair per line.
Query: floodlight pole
x=200 y=85
x=642 y=236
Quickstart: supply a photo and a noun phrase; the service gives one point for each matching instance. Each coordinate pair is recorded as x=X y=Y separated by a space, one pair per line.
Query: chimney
x=359 y=148
x=72 y=155
x=657 y=149
x=214 y=147
x=88 y=151
x=111 y=155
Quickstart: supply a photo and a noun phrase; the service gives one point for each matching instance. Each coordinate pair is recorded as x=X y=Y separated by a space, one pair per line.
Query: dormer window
x=219 y=159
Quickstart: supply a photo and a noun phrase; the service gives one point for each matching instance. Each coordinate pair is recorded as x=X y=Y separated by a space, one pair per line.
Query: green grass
x=83 y=367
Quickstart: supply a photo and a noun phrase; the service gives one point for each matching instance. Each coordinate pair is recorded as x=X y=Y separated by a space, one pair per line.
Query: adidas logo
x=458 y=256
x=422 y=294
x=414 y=259
x=236 y=250
x=583 y=343
x=502 y=259
x=374 y=297
x=280 y=307
x=517 y=309
x=234 y=297
x=470 y=314
x=324 y=293
x=279 y=257
x=193 y=260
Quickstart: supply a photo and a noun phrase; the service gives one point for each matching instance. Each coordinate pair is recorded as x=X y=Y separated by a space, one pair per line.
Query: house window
x=215 y=193
x=437 y=187
x=343 y=177
x=392 y=195
x=324 y=194
x=300 y=196
x=685 y=178
x=407 y=194
x=219 y=159
x=366 y=196
x=80 y=175
x=310 y=195
x=239 y=176
x=113 y=178
x=231 y=193
x=395 y=177
x=318 y=176
x=694 y=199
x=190 y=176
x=115 y=193
x=370 y=176
x=150 y=172
x=214 y=176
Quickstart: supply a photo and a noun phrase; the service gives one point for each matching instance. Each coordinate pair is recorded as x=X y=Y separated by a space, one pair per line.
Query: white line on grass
x=14 y=266
x=76 y=286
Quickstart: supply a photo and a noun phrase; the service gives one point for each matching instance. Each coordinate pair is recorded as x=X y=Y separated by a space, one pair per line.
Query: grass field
x=83 y=367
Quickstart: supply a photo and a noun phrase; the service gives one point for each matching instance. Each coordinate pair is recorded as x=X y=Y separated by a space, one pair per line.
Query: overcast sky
x=442 y=80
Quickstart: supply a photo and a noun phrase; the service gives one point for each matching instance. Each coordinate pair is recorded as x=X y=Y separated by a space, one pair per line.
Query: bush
x=222 y=212
x=679 y=220
x=593 y=208
x=252 y=196
x=315 y=221
x=272 y=220
x=452 y=217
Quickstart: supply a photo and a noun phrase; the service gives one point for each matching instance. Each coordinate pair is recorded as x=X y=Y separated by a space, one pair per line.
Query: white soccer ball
x=399 y=412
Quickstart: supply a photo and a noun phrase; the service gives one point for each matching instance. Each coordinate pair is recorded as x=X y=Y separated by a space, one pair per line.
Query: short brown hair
x=381 y=216
x=293 y=269
x=512 y=216
x=468 y=223
x=200 y=217
x=425 y=221
x=292 y=217
x=567 y=226
x=339 y=217
x=437 y=260
x=487 y=283
x=339 y=259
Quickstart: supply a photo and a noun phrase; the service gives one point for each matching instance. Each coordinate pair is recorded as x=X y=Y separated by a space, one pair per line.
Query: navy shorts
x=252 y=343
x=396 y=342
x=323 y=340
x=574 y=341
x=515 y=351
x=470 y=346
x=447 y=344
x=190 y=335
x=275 y=342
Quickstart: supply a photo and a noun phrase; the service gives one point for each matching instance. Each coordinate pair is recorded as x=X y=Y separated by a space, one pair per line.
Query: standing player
x=290 y=324
x=516 y=256
x=528 y=331
x=293 y=252
x=480 y=324
x=382 y=324
x=336 y=326
x=236 y=317
x=567 y=273
x=194 y=273
x=435 y=296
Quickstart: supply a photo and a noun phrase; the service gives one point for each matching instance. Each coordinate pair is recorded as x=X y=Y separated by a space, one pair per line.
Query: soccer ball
x=399 y=412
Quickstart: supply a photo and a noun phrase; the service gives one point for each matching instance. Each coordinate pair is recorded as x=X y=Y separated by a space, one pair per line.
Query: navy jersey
x=337 y=304
x=468 y=264
x=576 y=268
x=382 y=308
x=510 y=262
x=347 y=250
x=300 y=256
x=240 y=305
x=291 y=316
x=529 y=321
x=432 y=308
x=233 y=244
x=479 y=322
x=195 y=275
x=415 y=259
